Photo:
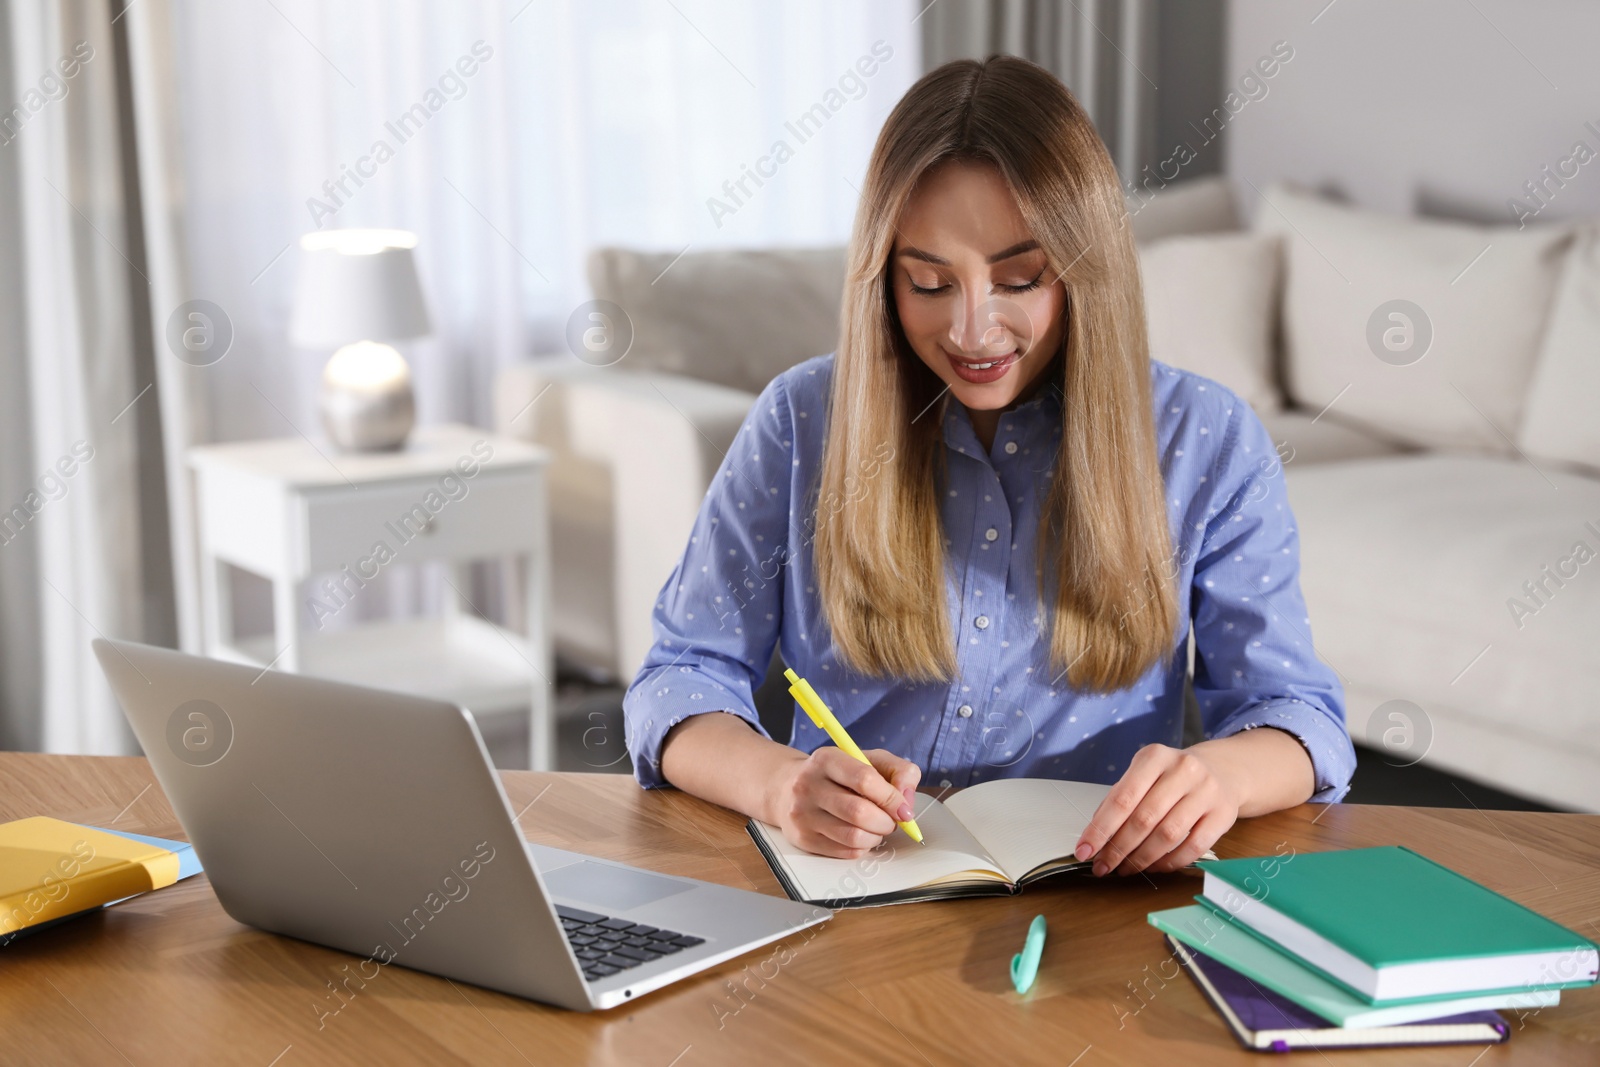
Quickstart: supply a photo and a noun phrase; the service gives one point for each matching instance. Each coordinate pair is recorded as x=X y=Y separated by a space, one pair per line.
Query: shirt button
x=944 y=783
x=991 y=534
x=981 y=622
x=965 y=711
x=1011 y=448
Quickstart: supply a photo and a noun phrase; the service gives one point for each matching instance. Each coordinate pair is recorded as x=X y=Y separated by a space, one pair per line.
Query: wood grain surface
x=169 y=978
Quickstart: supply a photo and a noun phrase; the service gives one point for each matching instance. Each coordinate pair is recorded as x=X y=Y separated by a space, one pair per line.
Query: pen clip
x=805 y=696
x=1025 y=964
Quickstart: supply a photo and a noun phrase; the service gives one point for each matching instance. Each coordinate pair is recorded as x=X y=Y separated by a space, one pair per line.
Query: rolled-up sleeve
x=718 y=616
x=1255 y=664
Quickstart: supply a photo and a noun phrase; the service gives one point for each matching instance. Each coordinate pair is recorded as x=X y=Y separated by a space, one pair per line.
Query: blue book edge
x=188 y=862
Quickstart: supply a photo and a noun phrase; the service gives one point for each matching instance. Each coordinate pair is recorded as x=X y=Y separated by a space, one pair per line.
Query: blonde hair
x=879 y=545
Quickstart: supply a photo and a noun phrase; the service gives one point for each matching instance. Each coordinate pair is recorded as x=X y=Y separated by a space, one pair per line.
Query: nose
x=966 y=327
x=980 y=325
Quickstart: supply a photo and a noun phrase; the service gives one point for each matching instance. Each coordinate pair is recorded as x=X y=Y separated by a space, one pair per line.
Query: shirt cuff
x=670 y=699
x=1333 y=757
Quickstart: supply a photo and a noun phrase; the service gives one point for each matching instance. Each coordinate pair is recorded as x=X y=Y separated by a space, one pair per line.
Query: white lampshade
x=357 y=285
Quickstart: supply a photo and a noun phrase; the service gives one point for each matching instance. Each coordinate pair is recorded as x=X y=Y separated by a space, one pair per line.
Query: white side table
x=292 y=511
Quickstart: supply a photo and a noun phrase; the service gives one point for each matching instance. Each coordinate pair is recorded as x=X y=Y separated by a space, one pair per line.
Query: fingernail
x=1100 y=870
x=1085 y=850
x=905 y=813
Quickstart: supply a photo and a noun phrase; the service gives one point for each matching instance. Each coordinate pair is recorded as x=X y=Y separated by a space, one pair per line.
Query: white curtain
x=513 y=137
x=579 y=124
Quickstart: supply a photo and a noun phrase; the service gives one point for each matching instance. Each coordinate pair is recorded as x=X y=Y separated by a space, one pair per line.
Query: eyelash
x=920 y=291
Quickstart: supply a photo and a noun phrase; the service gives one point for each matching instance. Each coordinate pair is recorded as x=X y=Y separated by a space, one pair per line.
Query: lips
x=980 y=373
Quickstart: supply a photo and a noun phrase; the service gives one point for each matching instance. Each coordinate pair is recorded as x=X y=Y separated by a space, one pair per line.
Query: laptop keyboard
x=605 y=945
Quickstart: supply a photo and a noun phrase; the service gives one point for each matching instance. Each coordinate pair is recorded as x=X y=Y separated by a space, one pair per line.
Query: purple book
x=1266 y=1022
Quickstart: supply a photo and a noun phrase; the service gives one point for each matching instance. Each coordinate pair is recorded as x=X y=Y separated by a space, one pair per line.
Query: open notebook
x=987 y=840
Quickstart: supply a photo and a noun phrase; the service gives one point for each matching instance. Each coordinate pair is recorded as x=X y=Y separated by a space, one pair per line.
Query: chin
x=990 y=397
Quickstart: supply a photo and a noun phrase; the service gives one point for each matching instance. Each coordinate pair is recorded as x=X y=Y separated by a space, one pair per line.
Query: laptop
x=374 y=822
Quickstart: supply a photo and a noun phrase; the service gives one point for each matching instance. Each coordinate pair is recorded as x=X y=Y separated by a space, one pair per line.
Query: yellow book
x=50 y=869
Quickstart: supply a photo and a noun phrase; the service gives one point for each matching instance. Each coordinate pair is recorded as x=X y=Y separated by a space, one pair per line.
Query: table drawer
x=490 y=515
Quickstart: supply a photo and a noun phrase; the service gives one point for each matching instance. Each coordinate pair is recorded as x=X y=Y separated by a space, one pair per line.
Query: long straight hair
x=1104 y=548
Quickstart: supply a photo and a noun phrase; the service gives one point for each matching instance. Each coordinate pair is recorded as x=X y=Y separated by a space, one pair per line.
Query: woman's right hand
x=834 y=805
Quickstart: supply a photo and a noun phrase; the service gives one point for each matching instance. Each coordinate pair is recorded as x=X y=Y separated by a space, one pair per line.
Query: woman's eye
x=922 y=290
x=1024 y=287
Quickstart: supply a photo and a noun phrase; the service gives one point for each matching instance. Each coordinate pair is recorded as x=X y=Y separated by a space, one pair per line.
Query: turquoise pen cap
x=1025 y=964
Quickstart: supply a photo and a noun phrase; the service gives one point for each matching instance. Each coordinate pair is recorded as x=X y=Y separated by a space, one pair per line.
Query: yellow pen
x=808 y=699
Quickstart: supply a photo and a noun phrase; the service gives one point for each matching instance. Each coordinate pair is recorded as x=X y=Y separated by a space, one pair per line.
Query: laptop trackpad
x=611 y=888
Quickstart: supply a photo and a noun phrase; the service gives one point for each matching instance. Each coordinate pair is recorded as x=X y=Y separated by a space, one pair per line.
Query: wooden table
x=169 y=978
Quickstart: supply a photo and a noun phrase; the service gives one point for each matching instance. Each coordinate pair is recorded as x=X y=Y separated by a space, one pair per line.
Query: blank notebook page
x=1026 y=822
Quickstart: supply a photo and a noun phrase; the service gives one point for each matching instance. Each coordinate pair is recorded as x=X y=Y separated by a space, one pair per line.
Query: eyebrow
x=1005 y=253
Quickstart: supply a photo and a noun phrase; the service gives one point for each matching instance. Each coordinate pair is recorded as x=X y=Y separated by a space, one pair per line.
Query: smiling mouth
x=986 y=364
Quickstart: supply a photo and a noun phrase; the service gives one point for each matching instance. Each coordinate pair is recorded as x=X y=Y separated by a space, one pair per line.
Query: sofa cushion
x=1303 y=437
x=1192 y=206
x=1414 y=567
x=1452 y=376
x=1563 y=417
x=735 y=317
x=1211 y=305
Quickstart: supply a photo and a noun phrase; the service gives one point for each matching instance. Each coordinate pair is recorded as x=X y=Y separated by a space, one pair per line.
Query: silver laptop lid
x=364 y=820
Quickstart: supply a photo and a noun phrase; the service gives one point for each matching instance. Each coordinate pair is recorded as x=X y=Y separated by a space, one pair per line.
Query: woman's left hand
x=1170 y=806
x=1174 y=803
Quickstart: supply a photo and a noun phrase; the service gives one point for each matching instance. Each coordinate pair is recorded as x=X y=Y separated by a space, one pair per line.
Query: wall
x=1430 y=106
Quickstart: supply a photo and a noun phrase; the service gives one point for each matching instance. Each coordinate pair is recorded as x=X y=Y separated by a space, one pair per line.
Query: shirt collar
x=1031 y=420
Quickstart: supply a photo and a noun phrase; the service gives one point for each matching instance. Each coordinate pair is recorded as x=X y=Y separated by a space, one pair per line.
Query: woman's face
x=971 y=287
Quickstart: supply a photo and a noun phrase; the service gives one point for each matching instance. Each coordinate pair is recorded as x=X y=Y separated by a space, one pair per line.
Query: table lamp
x=356 y=291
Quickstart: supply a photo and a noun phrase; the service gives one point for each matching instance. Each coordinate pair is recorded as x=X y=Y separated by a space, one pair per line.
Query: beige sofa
x=1428 y=490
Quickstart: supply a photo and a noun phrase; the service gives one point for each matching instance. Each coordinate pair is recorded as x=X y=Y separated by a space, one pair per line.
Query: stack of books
x=1367 y=947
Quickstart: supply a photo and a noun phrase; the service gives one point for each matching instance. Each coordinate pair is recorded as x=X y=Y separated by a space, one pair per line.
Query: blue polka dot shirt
x=746 y=582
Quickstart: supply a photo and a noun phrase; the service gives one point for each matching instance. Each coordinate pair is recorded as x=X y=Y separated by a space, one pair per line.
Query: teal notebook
x=1391 y=924
x=1214 y=934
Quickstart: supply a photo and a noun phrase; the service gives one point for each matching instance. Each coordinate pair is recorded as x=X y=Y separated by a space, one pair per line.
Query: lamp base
x=361 y=420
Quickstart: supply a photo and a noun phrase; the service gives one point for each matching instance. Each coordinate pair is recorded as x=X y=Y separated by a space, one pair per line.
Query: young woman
x=983 y=527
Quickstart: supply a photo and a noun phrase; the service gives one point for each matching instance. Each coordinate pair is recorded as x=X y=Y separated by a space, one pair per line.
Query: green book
x=1391 y=924
x=1225 y=941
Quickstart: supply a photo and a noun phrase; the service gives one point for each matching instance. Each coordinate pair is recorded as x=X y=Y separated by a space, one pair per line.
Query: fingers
x=1180 y=777
x=1123 y=799
x=1163 y=814
x=826 y=835
x=902 y=773
x=841 y=807
x=1171 y=832
x=864 y=779
x=1212 y=825
x=856 y=810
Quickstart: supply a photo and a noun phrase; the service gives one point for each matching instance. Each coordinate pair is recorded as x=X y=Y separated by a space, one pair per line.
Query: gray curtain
x=84 y=541
x=20 y=677
x=1141 y=68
